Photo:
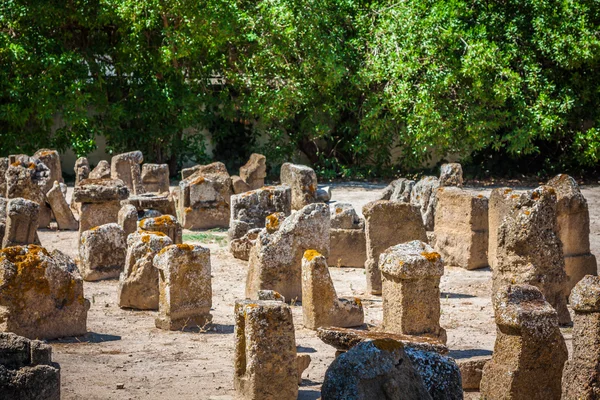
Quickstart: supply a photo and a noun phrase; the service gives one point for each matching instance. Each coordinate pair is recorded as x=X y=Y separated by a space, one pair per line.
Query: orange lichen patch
x=358 y=301
x=312 y=188
x=46 y=153
x=507 y=191
x=94 y=228
x=187 y=210
x=148 y=233
x=480 y=196
x=198 y=181
x=31 y=165
x=514 y=196
x=535 y=195
x=311 y=254
x=272 y=222
x=185 y=246
x=163 y=220
x=15 y=164
x=526 y=212
x=387 y=344
x=431 y=257
x=338 y=210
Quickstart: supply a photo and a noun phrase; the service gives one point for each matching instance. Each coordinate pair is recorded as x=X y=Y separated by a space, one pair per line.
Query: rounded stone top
x=24 y=256
x=411 y=260
x=524 y=306
x=162 y=221
x=585 y=296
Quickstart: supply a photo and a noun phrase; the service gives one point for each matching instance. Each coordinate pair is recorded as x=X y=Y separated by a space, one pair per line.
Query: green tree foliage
x=345 y=83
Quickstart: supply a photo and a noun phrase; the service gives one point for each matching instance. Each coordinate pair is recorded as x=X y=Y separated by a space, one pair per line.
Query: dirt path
x=124 y=348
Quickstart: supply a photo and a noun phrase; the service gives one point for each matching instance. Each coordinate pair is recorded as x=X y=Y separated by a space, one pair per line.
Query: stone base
x=471 y=370
x=96 y=214
x=206 y=217
x=92 y=275
x=192 y=321
x=467 y=250
x=577 y=267
x=347 y=248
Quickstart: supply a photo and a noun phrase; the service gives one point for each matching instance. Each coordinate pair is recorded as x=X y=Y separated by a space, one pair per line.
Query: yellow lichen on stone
x=507 y=191
x=338 y=210
x=311 y=254
x=357 y=301
x=272 y=222
x=431 y=257
x=387 y=344
x=199 y=180
x=185 y=246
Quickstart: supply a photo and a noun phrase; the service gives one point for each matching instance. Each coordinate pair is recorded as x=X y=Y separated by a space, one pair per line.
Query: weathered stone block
x=451 y=174
x=62 y=213
x=82 y=170
x=423 y=196
x=101 y=171
x=21 y=222
x=254 y=171
x=155 y=178
x=302 y=180
x=102 y=252
x=128 y=219
x=166 y=224
x=126 y=167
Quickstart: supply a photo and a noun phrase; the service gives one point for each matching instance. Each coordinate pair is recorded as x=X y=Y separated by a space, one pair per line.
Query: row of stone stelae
x=265 y=274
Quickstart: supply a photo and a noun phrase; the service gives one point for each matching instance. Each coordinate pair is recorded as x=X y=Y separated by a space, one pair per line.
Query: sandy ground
x=124 y=349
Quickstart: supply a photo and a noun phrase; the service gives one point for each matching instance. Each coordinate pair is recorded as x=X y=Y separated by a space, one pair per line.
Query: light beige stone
x=276 y=258
x=348 y=242
x=471 y=371
x=398 y=190
x=166 y=224
x=126 y=167
x=41 y=294
x=238 y=184
x=500 y=202
x=138 y=283
x=451 y=174
x=461 y=228
x=529 y=352
x=101 y=171
x=411 y=290
x=265 y=361
x=51 y=159
x=388 y=223
x=254 y=171
x=102 y=252
x=62 y=213
x=423 y=196
x=128 y=219
x=82 y=170
x=303 y=363
x=155 y=178
x=320 y=303
x=3 y=168
x=185 y=287
x=21 y=223
x=302 y=180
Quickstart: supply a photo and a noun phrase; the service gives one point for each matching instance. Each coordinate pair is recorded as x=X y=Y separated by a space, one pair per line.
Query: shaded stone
x=26 y=369
x=461 y=228
x=344 y=216
x=323 y=194
x=82 y=170
x=320 y=303
x=411 y=290
x=388 y=223
x=205 y=197
x=185 y=287
x=166 y=224
x=249 y=210
x=240 y=248
x=265 y=360
x=254 y=171
x=3 y=168
x=423 y=196
x=303 y=361
x=26 y=178
x=21 y=222
x=529 y=352
x=270 y=295
x=276 y=258
x=138 y=283
x=102 y=252
x=574 y=230
x=163 y=203
x=101 y=171
x=501 y=201
x=398 y=190
x=581 y=375
x=378 y=369
x=348 y=243
x=100 y=191
x=530 y=251
x=471 y=371
x=128 y=219
x=40 y=297
x=51 y=159
x=62 y=213
x=238 y=184
x=302 y=180
x=126 y=167
x=451 y=174
x=344 y=339
x=155 y=178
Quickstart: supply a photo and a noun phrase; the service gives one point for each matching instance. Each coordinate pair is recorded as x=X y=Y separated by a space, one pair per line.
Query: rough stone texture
x=451 y=174
x=530 y=251
x=423 y=195
x=185 y=287
x=100 y=191
x=388 y=223
x=440 y=374
x=302 y=180
x=348 y=243
x=155 y=178
x=126 y=167
x=254 y=171
x=163 y=203
x=51 y=159
x=3 y=168
x=41 y=295
x=166 y=224
x=574 y=230
x=581 y=375
x=102 y=252
x=411 y=290
x=270 y=295
x=240 y=248
x=320 y=303
x=461 y=228
x=138 y=283
x=276 y=258
x=249 y=210
x=128 y=219
x=471 y=371
x=216 y=168
x=62 y=213
x=398 y=190
x=82 y=170
x=238 y=184
x=27 y=177
x=501 y=201
x=530 y=350
x=101 y=171
x=344 y=339
x=205 y=197
x=378 y=369
x=96 y=214
x=21 y=223
x=26 y=369
x=3 y=203
x=265 y=360
x=303 y=361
